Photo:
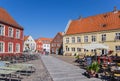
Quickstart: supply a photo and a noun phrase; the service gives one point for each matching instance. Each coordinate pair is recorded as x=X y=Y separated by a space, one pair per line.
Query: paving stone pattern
x=41 y=73
x=63 y=71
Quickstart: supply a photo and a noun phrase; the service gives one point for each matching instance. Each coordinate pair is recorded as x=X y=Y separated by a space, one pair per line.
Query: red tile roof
x=45 y=39
x=7 y=19
x=101 y=22
x=25 y=38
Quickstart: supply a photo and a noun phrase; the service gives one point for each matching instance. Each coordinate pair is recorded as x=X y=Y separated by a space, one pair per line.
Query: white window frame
x=117 y=48
x=67 y=40
x=85 y=38
x=10 y=33
x=78 y=39
x=10 y=48
x=93 y=38
x=73 y=39
x=17 y=47
x=73 y=49
x=103 y=37
x=3 y=30
x=17 y=33
x=117 y=36
x=3 y=47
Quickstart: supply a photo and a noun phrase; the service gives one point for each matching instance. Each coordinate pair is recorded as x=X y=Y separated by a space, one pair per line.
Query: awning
x=95 y=45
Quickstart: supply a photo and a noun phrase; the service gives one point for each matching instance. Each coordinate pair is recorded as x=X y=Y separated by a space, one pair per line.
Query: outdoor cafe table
x=10 y=68
x=5 y=72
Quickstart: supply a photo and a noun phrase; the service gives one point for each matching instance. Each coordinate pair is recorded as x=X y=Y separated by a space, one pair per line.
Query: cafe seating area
x=109 y=66
x=16 y=68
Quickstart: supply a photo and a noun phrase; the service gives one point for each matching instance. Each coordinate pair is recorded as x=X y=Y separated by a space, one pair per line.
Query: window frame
x=117 y=48
x=18 y=34
x=67 y=40
x=3 y=31
x=10 y=49
x=78 y=39
x=10 y=33
x=17 y=49
x=73 y=39
x=103 y=37
x=85 y=38
x=117 y=36
x=3 y=47
x=93 y=38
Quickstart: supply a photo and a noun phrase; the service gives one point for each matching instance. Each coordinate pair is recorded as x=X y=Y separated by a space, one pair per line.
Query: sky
x=45 y=18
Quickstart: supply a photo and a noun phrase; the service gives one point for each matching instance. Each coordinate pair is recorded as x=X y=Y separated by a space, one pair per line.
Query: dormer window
x=103 y=25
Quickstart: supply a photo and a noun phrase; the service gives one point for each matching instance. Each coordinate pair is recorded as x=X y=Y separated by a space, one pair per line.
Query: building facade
x=45 y=44
x=29 y=44
x=56 y=45
x=11 y=35
x=102 y=28
x=39 y=45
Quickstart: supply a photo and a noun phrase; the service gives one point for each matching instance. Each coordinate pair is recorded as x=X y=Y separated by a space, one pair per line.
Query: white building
x=29 y=44
x=46 y=44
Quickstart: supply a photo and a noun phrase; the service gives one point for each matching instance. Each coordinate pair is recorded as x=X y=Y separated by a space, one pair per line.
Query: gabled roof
x=45 y=39
x=7 y=19
x=25 y=38
x=101 y=22
x=59 y=33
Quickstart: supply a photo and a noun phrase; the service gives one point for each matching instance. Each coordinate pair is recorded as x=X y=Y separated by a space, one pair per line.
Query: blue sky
x=44 y=18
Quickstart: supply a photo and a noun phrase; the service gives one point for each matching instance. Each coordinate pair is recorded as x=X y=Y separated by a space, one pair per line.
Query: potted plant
x=93 y=69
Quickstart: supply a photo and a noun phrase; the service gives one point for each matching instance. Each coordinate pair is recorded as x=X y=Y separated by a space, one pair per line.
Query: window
x=73 y=39
x=17 y=33
x=78 y=39
x=85 y=50
x=10 y=32
x=117 y=48
x=103 y=37
x=85 y=38
x=93 y=38
x=1 y=47
x=67 y=49
x=73 y=49
x=67 y=40
x=10 y=47
x=44 y=45
x=117 y=37
x=17 y=47
x=2 y=30
x=58 y=45
x=78 y=49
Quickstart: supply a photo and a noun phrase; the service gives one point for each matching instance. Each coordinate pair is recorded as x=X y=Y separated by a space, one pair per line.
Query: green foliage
x=94 y=67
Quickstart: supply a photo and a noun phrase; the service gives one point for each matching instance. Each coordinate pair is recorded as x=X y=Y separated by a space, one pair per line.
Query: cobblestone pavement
x=41 y=73
x=63 y=71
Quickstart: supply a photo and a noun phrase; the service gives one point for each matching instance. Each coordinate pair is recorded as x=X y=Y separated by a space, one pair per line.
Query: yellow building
x=102 y=28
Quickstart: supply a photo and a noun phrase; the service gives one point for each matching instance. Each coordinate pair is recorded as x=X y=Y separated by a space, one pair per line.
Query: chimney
x=115 y=9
